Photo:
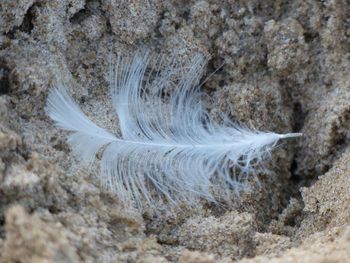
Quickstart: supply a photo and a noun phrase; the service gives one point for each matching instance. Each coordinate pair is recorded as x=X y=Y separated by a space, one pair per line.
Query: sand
x=281 y=66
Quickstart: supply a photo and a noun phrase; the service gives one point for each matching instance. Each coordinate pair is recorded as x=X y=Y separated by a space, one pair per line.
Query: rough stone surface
x=278 y=65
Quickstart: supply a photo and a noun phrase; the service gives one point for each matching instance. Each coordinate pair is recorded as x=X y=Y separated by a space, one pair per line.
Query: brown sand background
x=286 y=68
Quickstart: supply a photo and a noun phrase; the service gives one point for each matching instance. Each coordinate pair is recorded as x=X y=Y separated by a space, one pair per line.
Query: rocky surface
x=279 y=65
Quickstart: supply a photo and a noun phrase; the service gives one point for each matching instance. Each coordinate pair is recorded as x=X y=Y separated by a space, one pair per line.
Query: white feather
x=173 y=147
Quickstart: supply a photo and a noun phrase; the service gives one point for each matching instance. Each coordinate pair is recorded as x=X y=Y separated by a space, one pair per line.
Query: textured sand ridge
x=285 y=68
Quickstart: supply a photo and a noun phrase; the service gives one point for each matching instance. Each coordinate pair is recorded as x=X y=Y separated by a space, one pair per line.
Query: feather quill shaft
x=174 y=147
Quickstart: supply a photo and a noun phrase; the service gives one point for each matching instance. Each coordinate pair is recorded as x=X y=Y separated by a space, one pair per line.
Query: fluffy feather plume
x=173 y=147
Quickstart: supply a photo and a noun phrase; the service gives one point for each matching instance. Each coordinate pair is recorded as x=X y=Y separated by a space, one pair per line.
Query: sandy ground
x=285 y=68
